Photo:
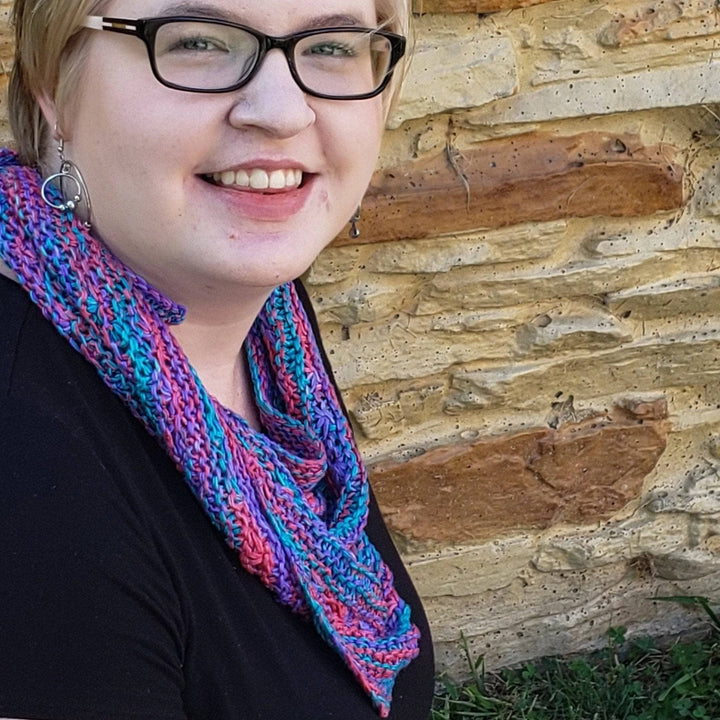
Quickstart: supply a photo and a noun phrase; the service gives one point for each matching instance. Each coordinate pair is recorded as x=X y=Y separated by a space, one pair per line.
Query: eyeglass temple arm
x=97 y=22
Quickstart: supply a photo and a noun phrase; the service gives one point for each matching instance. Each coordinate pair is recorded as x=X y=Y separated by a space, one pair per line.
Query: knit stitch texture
x=291 y=500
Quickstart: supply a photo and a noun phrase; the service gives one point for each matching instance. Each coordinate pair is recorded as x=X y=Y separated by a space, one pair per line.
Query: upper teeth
x=259 y=179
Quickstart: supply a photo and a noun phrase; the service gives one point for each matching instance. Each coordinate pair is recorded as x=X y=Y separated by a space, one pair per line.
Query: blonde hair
x=394 y=15
x=50 y=54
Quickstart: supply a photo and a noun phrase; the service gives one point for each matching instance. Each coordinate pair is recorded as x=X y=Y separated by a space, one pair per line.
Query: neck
x=213 y=343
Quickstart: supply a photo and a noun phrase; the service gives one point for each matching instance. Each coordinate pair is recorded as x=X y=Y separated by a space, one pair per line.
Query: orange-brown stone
x=470 y=6
x=580 y=473
x=528 y=178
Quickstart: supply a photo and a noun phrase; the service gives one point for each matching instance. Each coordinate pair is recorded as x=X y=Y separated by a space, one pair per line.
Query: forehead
x=272 y=16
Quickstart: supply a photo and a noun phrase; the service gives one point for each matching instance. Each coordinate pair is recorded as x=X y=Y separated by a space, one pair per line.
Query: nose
x=272 y=100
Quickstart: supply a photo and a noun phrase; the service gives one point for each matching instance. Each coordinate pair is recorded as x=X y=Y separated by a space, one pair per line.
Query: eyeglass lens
x=208 y=56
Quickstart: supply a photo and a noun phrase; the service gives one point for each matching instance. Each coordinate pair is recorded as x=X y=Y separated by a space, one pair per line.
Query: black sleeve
x=90 y=627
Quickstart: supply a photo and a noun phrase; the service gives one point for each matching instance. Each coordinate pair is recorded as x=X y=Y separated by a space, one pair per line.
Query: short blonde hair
x=50 y=53
x=394 y=15
x=49 y=56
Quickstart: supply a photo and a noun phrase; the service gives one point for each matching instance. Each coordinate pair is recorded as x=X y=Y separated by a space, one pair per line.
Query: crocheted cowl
x=291 y=500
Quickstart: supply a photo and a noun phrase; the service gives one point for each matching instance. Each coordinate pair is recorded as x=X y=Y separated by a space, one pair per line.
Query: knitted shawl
x=291 y=500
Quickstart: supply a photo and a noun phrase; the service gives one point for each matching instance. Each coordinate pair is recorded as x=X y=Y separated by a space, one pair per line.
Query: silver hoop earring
x=69 y=173
x=354 y=231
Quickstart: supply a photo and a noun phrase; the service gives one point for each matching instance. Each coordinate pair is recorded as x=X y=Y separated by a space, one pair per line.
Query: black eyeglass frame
x=147 y=28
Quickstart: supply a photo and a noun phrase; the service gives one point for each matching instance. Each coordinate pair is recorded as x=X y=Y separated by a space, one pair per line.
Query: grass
x=628 y=680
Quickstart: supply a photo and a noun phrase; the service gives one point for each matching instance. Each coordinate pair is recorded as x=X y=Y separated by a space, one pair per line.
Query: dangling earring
x=68 y=172
x=354 y=231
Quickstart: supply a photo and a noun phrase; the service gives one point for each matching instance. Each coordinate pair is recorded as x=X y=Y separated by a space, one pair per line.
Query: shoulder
x=86 y=594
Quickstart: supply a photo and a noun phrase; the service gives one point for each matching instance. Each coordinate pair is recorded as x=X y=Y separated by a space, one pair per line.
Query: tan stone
x=463 y=75
x=337 y=264
x=380 y=352
x=470 y=6
x=696 y=493
x=514 y=244
x=579 y=473
x=377 y=417
x=561 y=614
x=659 y=20
x=349 y=303
x=570 y=325
x=5 y=136
x=6 y=37
x=469 y=288
x=706 y=199
x=610 y=240
x=674 y=296
x=678 y=360
x=376 y=353
x=681 y=84
x=536 y=177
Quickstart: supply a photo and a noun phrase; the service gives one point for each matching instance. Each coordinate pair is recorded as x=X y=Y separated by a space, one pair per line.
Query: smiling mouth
x=258 y=179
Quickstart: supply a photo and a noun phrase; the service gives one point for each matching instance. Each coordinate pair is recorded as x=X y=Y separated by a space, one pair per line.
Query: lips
x=264 y=194
x=259 y=178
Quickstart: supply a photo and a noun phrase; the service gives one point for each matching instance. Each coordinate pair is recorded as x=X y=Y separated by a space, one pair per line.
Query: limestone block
x=6 y=56
x=445 y=74
x=662 y=87
x=706 y=199
x=419 y=403
x=514 y=244
x=336 y=264
x=5 y=135
x=697 y=493
x=352 y=302
x=518 y=605
x=675 y=296
x=532 y=177
x=378 y=417
x=483 y=320
x=630 y=541
x=574 y=42
x=469 y=288
x=572 y=325
x=6 y=38
x=407 y=348
x=569 y=43
x=611 y=241
x=678 y=360
x=579 y=473
x=566 y=613
x=685 y=564
x=660 y=20
x=460 y=570
x=470 y=6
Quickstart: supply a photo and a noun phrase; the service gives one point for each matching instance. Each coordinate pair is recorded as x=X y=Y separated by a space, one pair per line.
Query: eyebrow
x=211 y=11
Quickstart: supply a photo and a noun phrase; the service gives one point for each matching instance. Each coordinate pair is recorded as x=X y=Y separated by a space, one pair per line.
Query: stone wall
x=527 y=333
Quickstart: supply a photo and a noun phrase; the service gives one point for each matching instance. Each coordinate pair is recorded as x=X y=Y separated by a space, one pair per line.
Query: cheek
x=360 y=134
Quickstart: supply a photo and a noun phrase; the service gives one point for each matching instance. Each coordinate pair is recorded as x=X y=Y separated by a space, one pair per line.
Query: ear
x=50 y=113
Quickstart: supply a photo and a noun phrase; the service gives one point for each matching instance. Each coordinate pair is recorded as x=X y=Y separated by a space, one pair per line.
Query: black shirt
x=118 y=598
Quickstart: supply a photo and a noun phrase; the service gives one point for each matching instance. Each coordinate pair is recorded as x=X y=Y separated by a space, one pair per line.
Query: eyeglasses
x=214 y=56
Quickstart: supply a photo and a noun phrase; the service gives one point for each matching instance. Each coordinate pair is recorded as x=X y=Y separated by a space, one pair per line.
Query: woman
x=186 y=530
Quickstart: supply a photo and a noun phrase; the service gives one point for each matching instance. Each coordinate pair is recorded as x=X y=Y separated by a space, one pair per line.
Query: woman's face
x=149 y=154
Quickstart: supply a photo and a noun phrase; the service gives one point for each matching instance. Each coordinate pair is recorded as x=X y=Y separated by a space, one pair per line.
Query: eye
x=331 y=48
x=198 y=43
x=195 y=38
